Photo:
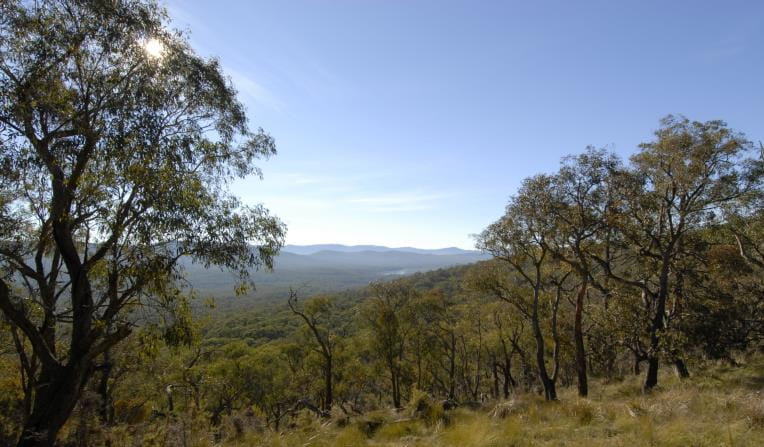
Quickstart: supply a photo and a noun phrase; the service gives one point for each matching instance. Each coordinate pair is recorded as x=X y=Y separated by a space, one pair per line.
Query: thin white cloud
x=399 y=202
x=250 y=91
x=254 y=92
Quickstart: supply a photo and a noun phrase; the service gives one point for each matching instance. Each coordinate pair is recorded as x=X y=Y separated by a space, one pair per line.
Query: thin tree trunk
x=550 y=393
x=419 y=369
x=106 y=406
x=509 y=381
x=395 y=387
x=681 y=368
x=495 y=372
x=578 y=335
x=656 y=328
x=452 y=370
x=328 y=384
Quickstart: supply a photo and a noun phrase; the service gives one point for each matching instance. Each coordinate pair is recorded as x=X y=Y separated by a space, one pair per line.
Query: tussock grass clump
x=504 y=409
x=370 y=423
x=472 y=429
x=350 y=436
x=423 y=407
x=719 y=406
x=581 y=410
x=400 y=430
x=753 y=410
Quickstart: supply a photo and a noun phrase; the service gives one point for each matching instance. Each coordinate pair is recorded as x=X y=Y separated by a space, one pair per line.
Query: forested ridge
x=622 y=304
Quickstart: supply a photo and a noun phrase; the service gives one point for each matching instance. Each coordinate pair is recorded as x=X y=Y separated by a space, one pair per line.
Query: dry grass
x=722 y=406
x=719 y=406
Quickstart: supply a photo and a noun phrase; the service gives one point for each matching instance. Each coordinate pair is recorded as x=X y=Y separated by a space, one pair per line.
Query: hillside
x=264 y=322
x=322 y=269
x=720 y=406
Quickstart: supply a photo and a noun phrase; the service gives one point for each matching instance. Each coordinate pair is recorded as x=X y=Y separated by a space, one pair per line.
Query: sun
x=154 y=48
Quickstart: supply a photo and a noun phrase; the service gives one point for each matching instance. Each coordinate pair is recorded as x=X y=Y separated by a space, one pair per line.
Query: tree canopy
x=117 y=146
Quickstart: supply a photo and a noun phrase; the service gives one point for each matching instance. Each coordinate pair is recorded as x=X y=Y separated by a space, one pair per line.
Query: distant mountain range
x=328 y=268
x=311 y=249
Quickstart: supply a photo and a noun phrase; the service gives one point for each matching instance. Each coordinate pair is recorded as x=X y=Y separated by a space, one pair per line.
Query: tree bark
x=495 y=373
x=550 y=393
x=681 y=368
x=328 y=391
x=106 y=406
x=651 y=379
x=578 y=335
x=509 y=381
x=452 y=369
x=53 y=403
x=395 y=387
x=657 y=327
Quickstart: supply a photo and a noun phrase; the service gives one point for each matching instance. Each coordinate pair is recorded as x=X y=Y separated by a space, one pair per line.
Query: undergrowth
x=719 y=406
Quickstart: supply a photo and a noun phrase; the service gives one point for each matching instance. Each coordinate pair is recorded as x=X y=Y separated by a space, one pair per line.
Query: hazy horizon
x=329 y=244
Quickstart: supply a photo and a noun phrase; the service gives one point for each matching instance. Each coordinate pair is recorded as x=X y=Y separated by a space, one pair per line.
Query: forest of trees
x=602 y=269
x=113 y=166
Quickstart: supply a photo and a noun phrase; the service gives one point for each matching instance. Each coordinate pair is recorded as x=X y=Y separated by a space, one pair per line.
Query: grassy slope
x=720 y=406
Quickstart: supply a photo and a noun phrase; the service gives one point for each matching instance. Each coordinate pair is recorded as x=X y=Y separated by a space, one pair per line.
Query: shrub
x=370 y=423
x=425 y=408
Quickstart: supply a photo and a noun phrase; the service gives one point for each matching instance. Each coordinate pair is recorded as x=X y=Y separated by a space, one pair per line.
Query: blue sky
x=412 y=122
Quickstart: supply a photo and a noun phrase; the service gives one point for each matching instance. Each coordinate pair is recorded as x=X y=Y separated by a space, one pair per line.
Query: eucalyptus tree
x=744 y=217
x=117 y=146
x=736 y=268
x=507 y=334
x=519 y=239
x=581 y=202
x=388 y=315
x=321 y=321
x=471 y=346
x=436 y=317
x=678 y=183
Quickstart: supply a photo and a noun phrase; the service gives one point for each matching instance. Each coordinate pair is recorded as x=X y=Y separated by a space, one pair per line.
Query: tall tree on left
x=117 y=146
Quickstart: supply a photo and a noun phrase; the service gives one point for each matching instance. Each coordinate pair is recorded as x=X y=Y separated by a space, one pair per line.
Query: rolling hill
x=325 y=268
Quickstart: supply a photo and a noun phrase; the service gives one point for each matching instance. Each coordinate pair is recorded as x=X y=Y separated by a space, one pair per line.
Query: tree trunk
x=53 y=404
x=657 y=327
x=106 y=406
x=328 y=398
x=419 y=370
x=395 y=387
x=550 y=393
x=495 y=372
x=610 y=358
x=578 y=335
x=651 y=379
x=452 y=370
x=681 y=368
x=507 y=370
x=509 y=381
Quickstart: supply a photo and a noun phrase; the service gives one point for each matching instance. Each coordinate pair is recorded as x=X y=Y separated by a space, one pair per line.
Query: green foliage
x=114 y=173
x=114 y=164
x=422 y=406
